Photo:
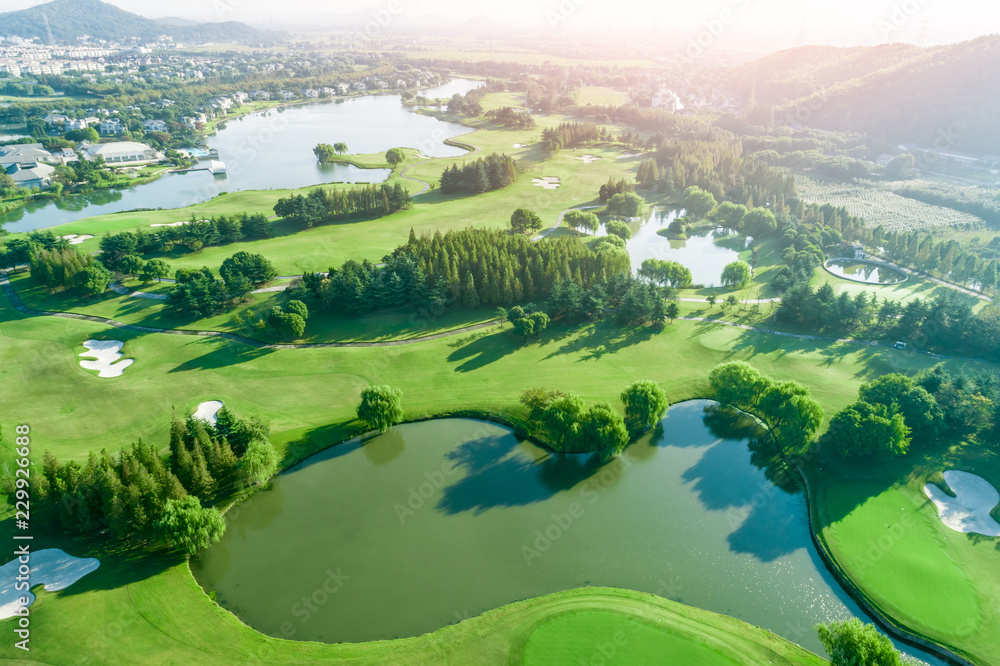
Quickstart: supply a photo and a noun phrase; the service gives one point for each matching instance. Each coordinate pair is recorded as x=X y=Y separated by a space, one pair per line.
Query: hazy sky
x=840 y=22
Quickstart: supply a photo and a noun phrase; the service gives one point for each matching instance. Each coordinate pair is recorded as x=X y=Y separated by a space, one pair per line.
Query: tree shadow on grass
x=500 y=473
x=483 y=350
x=224 y=353
x=602 y=339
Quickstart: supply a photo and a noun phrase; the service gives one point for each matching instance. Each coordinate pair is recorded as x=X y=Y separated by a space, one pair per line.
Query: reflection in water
x=705 y=255
x=866 y=272
x=461 y=515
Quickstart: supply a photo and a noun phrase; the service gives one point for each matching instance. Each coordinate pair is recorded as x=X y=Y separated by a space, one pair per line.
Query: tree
x=698 y=202
x=154 y=269
x=501 y=315
x=673 y=311
x=299 y=308
x=729 y=214
x=561 y=417
x=529 y=325
x=645 y=405
x=791 y=415
x=325 y=153
x=918 y=408
x=731 y=301
x=619 y=228
x=863 y=429
x=258 y=464
x=603 y=431
x=131 y=264
x=522 y=220
x=712 y=298
x=666 y=273
x=626 y=204
x=83 y=134
x=394 y=156
x=254 y=267
x=185 y=525
x=94 y=279
x=582 y=220
x=736 y=274
x=759 y=223
x=739 y=384
x=340 y=147
x=381 y=407
x=853 y=643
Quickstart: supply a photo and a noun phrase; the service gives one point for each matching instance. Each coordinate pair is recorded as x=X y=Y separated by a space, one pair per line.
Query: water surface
x=439 y=521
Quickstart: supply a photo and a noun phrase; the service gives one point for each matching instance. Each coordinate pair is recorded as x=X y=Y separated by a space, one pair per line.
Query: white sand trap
x=106 y=353
x=969 y=510
x=50 y=567
x=546 y=182
x=207 y=410
x=588 y=159
x=75 y=239
x=172 y=224
x=519 y=145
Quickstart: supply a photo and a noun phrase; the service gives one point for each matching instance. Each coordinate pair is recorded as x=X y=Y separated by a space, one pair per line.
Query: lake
x=438 y=521
x=701 y=254
x=272 y=150
x=862 y=271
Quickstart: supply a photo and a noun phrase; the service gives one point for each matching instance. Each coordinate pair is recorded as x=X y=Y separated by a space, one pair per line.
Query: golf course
x=760 y=561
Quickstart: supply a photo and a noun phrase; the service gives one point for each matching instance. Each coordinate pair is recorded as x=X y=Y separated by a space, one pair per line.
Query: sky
x=736 y=22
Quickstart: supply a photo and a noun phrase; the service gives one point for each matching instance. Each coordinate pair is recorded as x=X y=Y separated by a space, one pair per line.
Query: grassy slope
x=886 y=534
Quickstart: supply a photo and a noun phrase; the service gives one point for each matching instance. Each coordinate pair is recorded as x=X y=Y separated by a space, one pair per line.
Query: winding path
x=19 y=305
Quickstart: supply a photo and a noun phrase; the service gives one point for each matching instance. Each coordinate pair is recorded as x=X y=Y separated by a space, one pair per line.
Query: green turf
x=887 y=536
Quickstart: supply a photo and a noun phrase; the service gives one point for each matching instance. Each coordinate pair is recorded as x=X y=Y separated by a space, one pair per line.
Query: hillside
x=66 y=20
x=898 y=92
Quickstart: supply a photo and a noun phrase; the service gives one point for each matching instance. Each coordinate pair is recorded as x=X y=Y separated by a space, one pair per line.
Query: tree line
x=569 y=135
x=67 y=269
x=493 y=172
x=193 y=235
x=469 y=267
x=322 y=206
x=511 y=118
x=143 y=500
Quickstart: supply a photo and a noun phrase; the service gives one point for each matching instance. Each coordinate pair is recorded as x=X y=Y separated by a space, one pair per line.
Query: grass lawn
x=913 y=287
x=887 y=536
x=582 y=633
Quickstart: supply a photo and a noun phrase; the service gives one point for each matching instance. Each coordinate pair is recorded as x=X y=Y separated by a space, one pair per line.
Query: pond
x=700 y=253
x=270 y=150
x=442 y=520
x=863 y=271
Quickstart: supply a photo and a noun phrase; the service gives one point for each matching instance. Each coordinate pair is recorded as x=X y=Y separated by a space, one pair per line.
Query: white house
x=34 y=175
x=260 y=95
x=241 y=97
x=117 y=152
x=344 y=88
x=55 y=118
x=327 y=92
x=223 y=103
x=113 y=126
x=310 y=93
x=287 y=95
x=154 y=125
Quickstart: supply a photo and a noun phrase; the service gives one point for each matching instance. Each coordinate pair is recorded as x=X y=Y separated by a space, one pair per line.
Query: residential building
x=223 y=103
x=310 y=93
x=23 y=153
x=260 y=95
x=112 y=126
x=287 y=95
x=154 y=125
x=241 y=97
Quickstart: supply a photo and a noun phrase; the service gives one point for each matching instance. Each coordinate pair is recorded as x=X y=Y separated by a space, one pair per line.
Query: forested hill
x=69 y=19
x=896 y=92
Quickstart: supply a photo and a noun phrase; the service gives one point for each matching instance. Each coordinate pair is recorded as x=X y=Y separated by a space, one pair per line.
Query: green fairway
x=887 y=537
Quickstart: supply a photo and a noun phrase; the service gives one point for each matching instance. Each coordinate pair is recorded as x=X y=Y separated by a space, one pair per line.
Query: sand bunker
x=519 y=145
x=969 y=510
x=106 y=353
x=50 y=567
x=546 y=182
x=76 y=239
x=172 y=224
x=207 y=410
x=588 y=159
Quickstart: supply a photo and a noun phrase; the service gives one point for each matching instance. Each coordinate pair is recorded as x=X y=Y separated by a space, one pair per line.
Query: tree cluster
x=493 y=172
x=511 y=118
x=198 y=292
x=570 y=135
x=67 y=269
x=613 y=187
x=785 y=407
x=322 y=206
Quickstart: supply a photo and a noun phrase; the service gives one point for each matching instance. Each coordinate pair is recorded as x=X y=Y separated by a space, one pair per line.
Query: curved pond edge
x=947 y=653
x=873 y=262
